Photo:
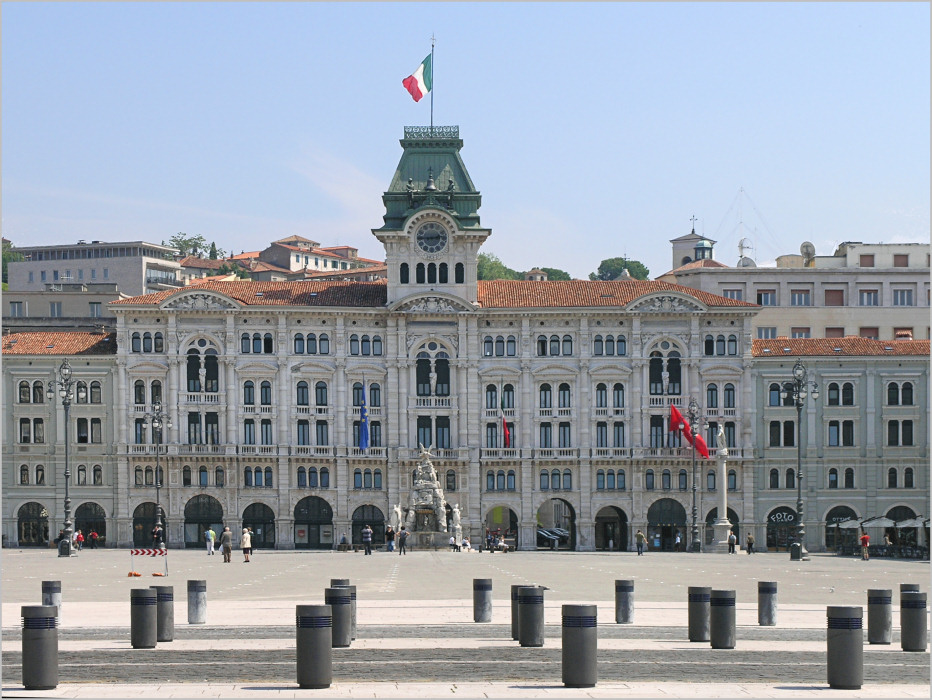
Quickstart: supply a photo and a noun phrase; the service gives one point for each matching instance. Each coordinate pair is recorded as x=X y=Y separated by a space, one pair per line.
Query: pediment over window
x=199 y=301
x=666 y=302
x=433 y=304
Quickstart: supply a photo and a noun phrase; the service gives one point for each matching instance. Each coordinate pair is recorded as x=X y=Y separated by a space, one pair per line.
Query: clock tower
x=431 y=232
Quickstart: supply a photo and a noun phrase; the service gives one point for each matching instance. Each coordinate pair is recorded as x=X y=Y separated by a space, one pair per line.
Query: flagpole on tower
x=432 y=40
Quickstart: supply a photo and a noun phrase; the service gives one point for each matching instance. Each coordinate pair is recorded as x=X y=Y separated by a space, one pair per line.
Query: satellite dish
x=746 y=262
x=743 y=245
x=808 y=252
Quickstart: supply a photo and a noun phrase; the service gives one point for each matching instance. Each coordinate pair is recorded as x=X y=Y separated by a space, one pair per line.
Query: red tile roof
x=836 y=347
x=245 y=256
x=204 y=263
x=509 y=294
x=59 y=343
x=300 y=293
x=696 y=264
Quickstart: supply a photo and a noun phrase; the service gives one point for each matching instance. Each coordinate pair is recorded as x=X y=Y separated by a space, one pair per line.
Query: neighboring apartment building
x=135 y=267
x=265 y=384
x=871 y=290
x=301 y=255
x=73 y=307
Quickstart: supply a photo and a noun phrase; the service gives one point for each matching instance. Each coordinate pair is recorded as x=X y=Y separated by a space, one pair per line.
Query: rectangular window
x=800 y=332
x=93 y=273
x=736 y=294
x=443 y=432
x=866 y=261
x=375 y=434
x=106 y=273
x=834 y=332
x=249 y=432
x=847 y=433
x=868 y=297
x=619 y=430
x=767 y=297
x=601 y=434
x=55 y=309
x=901 y=260
x=304 y=432
x=834 y=297
x=566 y=436
x=265 y=432
x=81 y=274
x=31 y=276
x=54 y=275
x=833 y=434
x=869 y=332
x=95 y=309
x=323 y=432
x=800 y=297
x=766 y=332
x=16 y=309
x=425 y=431
x=902 y=297
x=546 y=435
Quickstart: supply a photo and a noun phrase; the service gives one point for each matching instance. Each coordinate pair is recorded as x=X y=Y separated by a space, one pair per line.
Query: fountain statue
x=426 y=516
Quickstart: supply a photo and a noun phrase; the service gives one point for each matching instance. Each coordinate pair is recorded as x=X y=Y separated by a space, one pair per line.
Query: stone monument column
x=722 y=525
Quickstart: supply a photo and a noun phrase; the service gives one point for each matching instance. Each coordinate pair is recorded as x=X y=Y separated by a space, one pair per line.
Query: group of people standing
x=226 y=543
x=78 y=539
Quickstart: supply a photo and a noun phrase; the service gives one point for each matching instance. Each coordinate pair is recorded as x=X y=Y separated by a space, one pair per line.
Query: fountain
x=426 y=516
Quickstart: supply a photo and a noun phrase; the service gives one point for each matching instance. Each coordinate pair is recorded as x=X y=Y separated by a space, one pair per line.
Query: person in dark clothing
x=402 y=539
x=367 y=538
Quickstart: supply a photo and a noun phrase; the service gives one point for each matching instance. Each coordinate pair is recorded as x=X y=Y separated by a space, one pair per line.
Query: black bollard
x=40 y=646
x=51 y=595
x=314 y=641
x=624 y=601
x=531 y=616
x=482 y=600
x=722 y=619
x=197 y=602
x=143 y=618
x=909 y=588
x=698 y=612
x=338 y=582
x=914 y=630
x=341 y=610
x=165 y=613
x=845 y=643
x=580 y=646
x=879 y=616
x=515 y=620
x=767 y=603
x=344 y=583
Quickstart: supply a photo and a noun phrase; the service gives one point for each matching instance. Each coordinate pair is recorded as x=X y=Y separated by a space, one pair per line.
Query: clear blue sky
x=592 y=130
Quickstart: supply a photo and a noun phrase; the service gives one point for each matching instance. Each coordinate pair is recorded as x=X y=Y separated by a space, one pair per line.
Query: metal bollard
x=531 y=616
x=344 y=583
x=314 y=641
x=845 y=659
x=580 y=646
x=624 y=601
x=909 y=588
x=767 y=603
x=515 y=620
x=879 y=615
x=338 y=582
x=197 y=602
x=914 y=632
x=40 y=646
x=143 y=618
x=722 y=619
x=165 y=613
x=482 y=600
x=51 y=595
x=699 y=613
x=341 y=610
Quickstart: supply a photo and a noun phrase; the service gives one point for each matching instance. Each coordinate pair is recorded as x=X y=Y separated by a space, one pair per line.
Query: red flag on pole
x=677 y=422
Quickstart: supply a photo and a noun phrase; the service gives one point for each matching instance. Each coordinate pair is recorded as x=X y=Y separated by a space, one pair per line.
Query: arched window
x=508 y=396
x=139 y=392
x=511 y=346
x=150 y=476
x=265 y=393
x=202 y=476
x=299 y=344
x=376 y=345
x=268 y=477
x=219 y=479
x=257 y=476
x=324 y=478
x=311 y=343
x=709 y=345
x=600 y=480
x=244 y=343
x=893 y=394
x=907 y=396
x=728 y=398
x=597 y=345
x=138 y=476
x=544 y=480
x=40 y=475
x=710 y=480
x=555 y=478
x=833 y=478
x=649 y=480
x=403 y=273
x=567 y=480
x=790 y=478
x=136 y=342
x=849 y=478
x=601 y=396
x=159 y=342
x=82 y=475
x=567 y=345
x=546 y=396
x=618 y=396
x=666 y=480
x=81 y=393
x=621 y=345
x=488 y=348
x=459 y=275
x=431 y=273
x=541 y=345
x=377 y=479
x=367 y=479
x=354 y=344
x=711 y=396
x=303 y=394
x=610 y=479
x=451 y=480
x=833 y=395
x=847 y=394
x=719 y=345
x=732 y=345
x=732 y=480
x=324 y=344
x=510 y=480
x=683 y=481
x=247 y=477
x=312 y=477
x=774 y=395
x=38 y=392
x=490 y=480
x=267 y=344
x=774 y=479
x=554 y=345
x=908 y=478
x=249 y=393
x=499 y=346
x=419 y=275
x=25 y=395
x=155 y=390
x=320 y=394
x=443 y=276
x=256 y=343
x=491 y=397
x=500 y=480
x=620 y=480
x=891 y=478
x=564 y=396
x=147 y=342
x=186 y=476
x=302 y=478
x=609 y=345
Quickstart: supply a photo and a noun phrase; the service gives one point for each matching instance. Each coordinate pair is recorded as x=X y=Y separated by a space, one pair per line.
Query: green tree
x=554 y=273
x=233 y=268
x=187 y=245
x=491 y=268
x=610 y=268
x=9 y=255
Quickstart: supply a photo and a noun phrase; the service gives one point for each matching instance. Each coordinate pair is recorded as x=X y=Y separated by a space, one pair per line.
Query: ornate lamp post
x=798 y=390
x=157 y=418
x=66 y=390
x=693 y=411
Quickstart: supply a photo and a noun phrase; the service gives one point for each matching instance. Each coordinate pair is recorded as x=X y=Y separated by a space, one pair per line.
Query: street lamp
x=157 y=418
x=798 y=389
x=693 y=411
x=66 y=390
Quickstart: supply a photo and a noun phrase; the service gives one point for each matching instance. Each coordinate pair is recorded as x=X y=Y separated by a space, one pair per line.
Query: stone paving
x=416 y=636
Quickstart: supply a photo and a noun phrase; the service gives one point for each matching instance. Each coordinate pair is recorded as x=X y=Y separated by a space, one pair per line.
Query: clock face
x=431 y=237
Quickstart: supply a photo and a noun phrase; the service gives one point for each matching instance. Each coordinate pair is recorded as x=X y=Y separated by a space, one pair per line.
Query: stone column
x=722 y=525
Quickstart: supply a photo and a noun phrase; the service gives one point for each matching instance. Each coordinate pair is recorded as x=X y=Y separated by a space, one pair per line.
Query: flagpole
x=431 y=84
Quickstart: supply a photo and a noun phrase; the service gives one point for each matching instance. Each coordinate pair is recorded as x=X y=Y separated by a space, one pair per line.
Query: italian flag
x=420 y=81
x=506 y=435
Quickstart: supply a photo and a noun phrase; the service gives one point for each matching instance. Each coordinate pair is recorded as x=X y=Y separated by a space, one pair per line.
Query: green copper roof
x=431 y=173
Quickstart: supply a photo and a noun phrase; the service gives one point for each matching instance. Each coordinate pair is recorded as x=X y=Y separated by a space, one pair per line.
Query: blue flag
x=363 y=421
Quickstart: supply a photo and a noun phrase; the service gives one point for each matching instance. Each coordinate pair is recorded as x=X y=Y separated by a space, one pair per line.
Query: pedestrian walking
x=226 y=544
x=402 y=539
x=158 y=537
x=865 y=544
x=92 y=539
x=246 y=543
x=210 y=537
x=488 y=540
x=732 y=541
x=367 y=538
x=676 y=544
x=750 y=543
x=79 y=538
x=390 y=539
x=639 y=540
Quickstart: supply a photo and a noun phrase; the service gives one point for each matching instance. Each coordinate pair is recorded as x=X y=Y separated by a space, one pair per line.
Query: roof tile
x=852 y=346
x=59 y=343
